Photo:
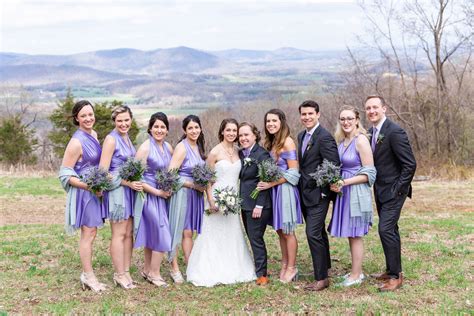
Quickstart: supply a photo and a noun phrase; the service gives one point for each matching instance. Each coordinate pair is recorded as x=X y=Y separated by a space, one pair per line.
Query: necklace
x=229 y=153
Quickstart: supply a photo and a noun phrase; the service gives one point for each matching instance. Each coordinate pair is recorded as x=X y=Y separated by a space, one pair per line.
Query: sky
x=62 y=27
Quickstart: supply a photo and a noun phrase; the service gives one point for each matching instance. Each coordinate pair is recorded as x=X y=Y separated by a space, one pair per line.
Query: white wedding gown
x=220 y=254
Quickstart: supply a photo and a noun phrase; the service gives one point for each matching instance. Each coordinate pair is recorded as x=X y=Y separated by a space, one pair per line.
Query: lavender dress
x=350 y=164
x=154 y=229
x=89 y=211
x=123 y=150
x=279 y=199
x=195 y=199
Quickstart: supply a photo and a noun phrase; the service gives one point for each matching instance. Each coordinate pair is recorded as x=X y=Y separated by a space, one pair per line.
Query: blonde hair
x=339 y=134
x=119 y=110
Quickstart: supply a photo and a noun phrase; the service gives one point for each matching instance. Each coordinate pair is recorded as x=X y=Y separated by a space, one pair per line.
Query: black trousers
x=255 y=229
x=389 y=214
x=318 y=241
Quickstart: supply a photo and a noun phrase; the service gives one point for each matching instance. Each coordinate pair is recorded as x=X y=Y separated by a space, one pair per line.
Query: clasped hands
x=337 y=187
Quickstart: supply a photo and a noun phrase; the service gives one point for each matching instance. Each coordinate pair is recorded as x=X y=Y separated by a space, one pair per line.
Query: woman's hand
x=163 y=194
x=261 y=186
x=337 y=187
x=198 y=188
x=135 y=185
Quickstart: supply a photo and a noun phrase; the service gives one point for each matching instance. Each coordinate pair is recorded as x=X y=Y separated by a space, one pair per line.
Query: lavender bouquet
x=203 y=175
x=327 y=173
x=268 y=171
x=167 y=180
x=97 y=180
x=227 y=201
x=132 y=170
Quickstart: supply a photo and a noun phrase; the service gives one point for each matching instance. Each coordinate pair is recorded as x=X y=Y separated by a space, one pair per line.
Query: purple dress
x=278 y=199
x=154 y=229
x=89 y=210
x=339 y=225
x=195 y=199
x=123 y=150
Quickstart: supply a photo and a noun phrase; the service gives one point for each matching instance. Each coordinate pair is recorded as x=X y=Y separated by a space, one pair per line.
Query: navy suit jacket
x=394 y=161
x=249 y=179
x=321 y=146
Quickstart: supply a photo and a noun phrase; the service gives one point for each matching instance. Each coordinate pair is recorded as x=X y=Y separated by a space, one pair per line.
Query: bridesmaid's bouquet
x=203 y=175
x=167 y=180
x=327 y=173
x=132 y=170
x=268 y=171
x=97 y=180
x=227 y=201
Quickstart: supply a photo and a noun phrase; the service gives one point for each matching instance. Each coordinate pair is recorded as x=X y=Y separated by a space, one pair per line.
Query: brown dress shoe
x=262 y=280
x=380 y=276
x=317 y=285
x=392 y=284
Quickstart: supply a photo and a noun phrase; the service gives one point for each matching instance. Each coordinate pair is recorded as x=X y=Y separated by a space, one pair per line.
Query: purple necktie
x=374 y=139
x=246 y=152
x=306 y=139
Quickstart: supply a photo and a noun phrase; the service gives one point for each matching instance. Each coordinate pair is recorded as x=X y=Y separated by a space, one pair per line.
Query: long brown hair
x=275 y=142
x=201 y=143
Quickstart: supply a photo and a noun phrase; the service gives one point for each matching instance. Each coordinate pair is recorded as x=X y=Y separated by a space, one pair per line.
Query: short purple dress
x=195 y=199
x=154 y=229
x=123 y=150
x=89 y=210
x=339 y=225
x=278 y=198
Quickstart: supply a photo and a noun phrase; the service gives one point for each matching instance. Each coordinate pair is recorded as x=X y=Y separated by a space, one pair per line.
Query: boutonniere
x=380 y=138
x=310 y=144
x=248 y=161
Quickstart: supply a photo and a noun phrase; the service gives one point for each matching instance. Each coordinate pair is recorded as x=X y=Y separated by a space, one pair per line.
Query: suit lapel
x=382 y=131
x=300 y=144
x=254 y=149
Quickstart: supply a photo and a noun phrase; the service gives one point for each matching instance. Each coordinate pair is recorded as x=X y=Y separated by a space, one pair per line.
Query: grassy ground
x=40 y=266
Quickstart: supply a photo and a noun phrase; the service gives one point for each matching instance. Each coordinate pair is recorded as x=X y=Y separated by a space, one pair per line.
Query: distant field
x=40 y=264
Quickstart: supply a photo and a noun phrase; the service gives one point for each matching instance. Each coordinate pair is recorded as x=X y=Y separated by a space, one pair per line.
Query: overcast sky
x=73 y=26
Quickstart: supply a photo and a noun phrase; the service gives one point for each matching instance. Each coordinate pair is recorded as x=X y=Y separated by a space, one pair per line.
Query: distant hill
x=38 y=75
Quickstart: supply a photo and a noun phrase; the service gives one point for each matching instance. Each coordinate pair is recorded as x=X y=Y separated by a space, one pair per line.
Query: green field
x=40 y=266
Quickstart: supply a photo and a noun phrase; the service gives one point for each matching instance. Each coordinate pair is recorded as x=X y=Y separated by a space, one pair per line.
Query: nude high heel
x=89 y=281
x=120 y=279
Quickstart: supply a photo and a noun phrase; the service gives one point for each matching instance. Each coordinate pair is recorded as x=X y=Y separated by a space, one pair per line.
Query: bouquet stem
x=254 y=194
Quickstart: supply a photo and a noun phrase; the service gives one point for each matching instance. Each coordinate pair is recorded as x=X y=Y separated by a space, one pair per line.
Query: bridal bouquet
x=97 y=180
x=132 y=170
x=327 y=173
x=203 y=175
x=167 y=180
x=268 y=171
x=227 y=201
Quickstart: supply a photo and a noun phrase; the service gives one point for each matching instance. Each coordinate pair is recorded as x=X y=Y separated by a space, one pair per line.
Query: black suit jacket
x=249 y=179
x=394 y=161
x=321 y=146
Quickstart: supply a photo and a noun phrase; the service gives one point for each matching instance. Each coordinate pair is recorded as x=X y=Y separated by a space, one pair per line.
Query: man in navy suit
x=396 y=165
x=314 y=145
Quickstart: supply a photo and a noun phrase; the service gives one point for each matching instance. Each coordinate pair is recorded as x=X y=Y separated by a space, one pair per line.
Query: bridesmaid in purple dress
x=117 y=148
x=154 y=230
x=285 y=195
x=186 y=205
x=358 y=173
x=83 y=151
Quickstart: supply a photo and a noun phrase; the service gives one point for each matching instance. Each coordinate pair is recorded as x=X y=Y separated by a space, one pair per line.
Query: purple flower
x=203 y=175
x=167 y=180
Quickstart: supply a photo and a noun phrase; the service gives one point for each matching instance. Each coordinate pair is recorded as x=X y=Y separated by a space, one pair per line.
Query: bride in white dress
x=220 y=254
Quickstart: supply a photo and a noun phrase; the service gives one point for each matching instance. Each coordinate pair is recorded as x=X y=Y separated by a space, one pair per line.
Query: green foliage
x=17 y=141
x=64 y=128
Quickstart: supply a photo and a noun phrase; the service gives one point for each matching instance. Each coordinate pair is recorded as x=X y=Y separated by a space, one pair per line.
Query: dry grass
x=40 y=266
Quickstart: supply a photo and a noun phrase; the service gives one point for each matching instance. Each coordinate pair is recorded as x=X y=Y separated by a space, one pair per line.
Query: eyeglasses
x=349 y=119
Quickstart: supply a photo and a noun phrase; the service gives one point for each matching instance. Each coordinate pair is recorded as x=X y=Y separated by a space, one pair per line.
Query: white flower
x=231 y=201
x=222 y=208
x=247 y=161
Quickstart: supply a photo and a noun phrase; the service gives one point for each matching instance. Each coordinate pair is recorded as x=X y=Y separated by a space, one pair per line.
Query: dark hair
x=254 y=130
x=309 y=104
x=224 y=124
x=119 y=110
x=277 y=140
x=77 y=108
x=375 y=96
x=155 y=117
x=200 y=141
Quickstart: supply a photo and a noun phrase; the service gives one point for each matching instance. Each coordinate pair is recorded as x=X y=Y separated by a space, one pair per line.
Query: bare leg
x=284 y=253
x=128 y=247
x=357 y=253
x=292 y=249
x=147 y=262
x=85 y=247
x=117 y=245
x=187 y=244
x=155 y=265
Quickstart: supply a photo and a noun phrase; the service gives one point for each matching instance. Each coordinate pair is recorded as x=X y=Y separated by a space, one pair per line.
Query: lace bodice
x=227 y=174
